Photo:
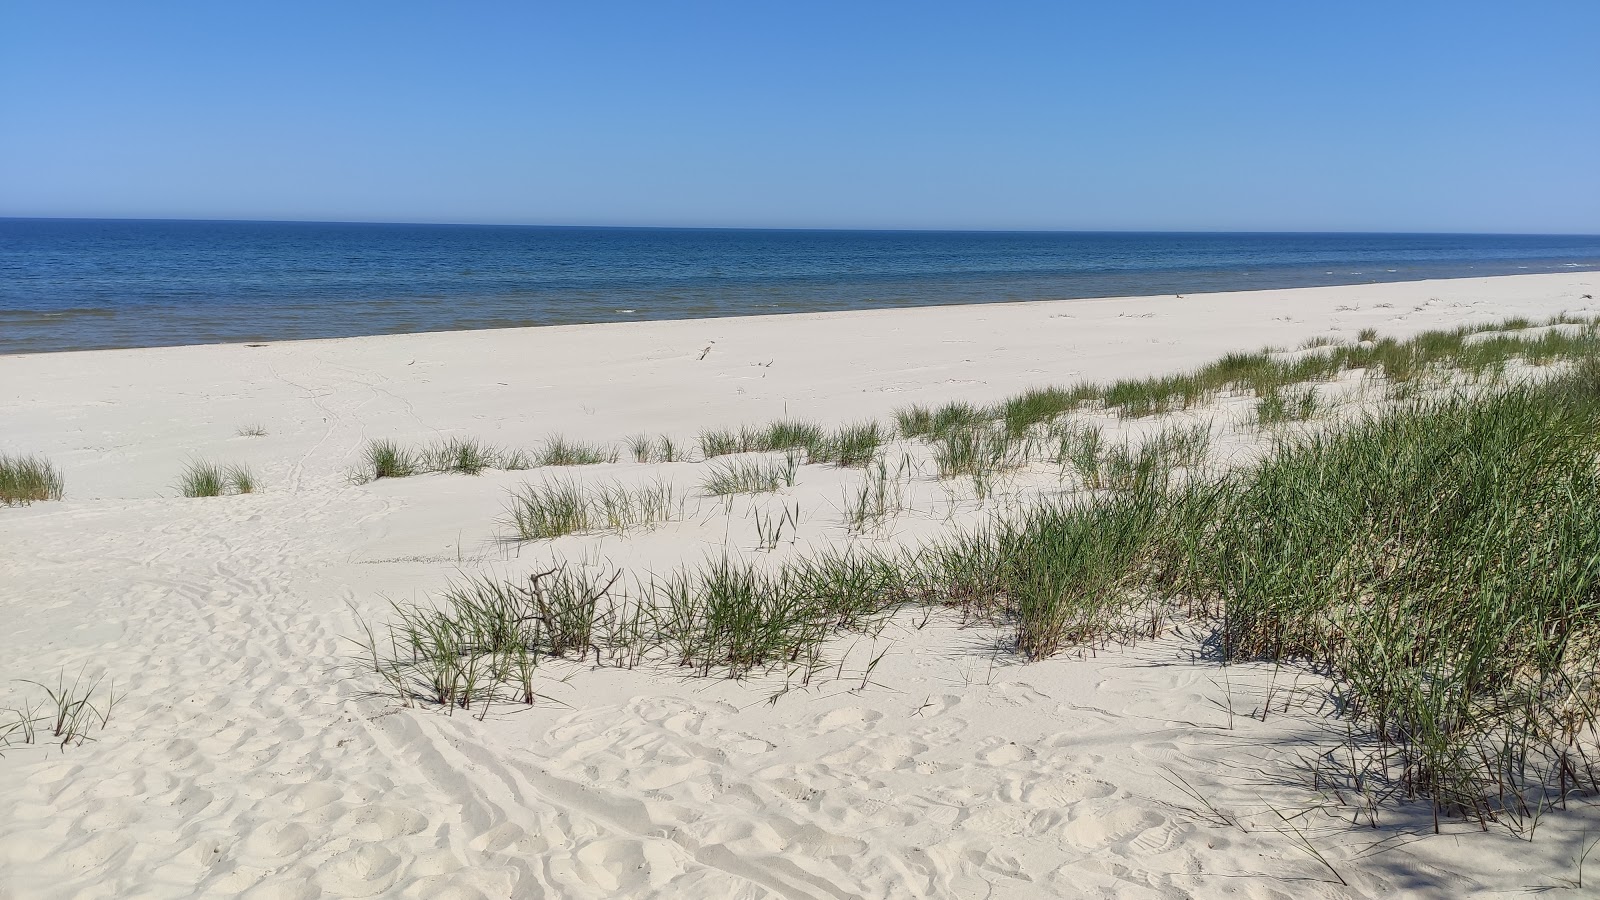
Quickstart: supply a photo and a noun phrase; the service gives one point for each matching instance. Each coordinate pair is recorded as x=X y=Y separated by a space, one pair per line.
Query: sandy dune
x=247 y=756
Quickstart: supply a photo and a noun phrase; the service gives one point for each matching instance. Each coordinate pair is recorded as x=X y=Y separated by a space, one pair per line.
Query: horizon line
x=841 y=229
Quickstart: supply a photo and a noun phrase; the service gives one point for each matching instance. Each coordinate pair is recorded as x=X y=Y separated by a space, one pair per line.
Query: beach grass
x=387 y=459
x=558 y=451
x=750 y=476
x=207 y=479
x=727 y=441
x=484 y=640
x=793 y=434
x=29 y=479
x=460 y=455
x=1042 y=405
x=878 y=498
x=553 y=509
x=1441 y=561
x=1437 y=559
x=66 y=715
x=466 y=456
x=853 y=445
x=1288 y=404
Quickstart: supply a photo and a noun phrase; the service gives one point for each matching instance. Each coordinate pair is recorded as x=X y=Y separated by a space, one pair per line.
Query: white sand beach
x=250 y=754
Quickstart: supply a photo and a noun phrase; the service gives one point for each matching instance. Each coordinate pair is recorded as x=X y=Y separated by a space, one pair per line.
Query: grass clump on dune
x=551 y=510
x=879 y=498
x=787 y=434
x=559 y=451
x=484 y=641
x=653 y=450
x=924 y=422
x=469 y=456
x=64 y=717
x=29 y=479
x=735 y=617
x=727 y=441
x=465 y=456
x=1288 y=405
x=854 y=445
x=386 y=459
x=206 y=479
x=979 y=453
x=1042 y=405
x=792 y=434
x=1443 y=563
x=1440 y=562
x=750 y=476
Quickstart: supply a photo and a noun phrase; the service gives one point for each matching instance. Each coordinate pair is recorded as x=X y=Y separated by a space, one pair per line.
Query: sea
x=77 y=284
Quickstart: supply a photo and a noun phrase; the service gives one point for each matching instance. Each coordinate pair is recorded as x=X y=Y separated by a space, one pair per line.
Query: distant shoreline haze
x=72 y=284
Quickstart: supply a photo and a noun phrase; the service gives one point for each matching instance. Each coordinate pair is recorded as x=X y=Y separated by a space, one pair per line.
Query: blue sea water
x=69 y=284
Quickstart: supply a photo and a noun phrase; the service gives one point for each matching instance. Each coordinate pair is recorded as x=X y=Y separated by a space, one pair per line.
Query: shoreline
x=1581 y=279
x=255 y=281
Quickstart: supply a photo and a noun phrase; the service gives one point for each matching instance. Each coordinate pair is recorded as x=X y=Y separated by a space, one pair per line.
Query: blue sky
x=1408 y=116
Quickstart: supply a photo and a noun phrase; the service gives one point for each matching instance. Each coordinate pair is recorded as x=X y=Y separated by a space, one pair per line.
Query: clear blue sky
x=1394 y=116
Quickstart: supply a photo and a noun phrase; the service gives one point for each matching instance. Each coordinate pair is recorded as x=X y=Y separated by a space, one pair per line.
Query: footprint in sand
x=276 y=840
x=848 y=718
x=998 y=752
x=628 y=864
x=1065 y=790
x=1115 y=827
x=380 y=822
x=363 y=872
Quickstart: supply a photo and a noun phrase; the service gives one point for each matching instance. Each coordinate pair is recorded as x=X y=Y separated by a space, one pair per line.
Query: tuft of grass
x=750 y=476
x=879 y=498
x=653 y=450
x=254 y=429
x=1137 y=398
x=1080 y=448
x=980 y=452
x=770 y=529
x=558 y=451
x=933 y=424
x=202 y=479
x=467 y=456
x=736 y=618
x=913 y=421
x=622 y=507
x=386 y=459
x=726 y=441
x=239 y=479
x=550 y=510
x=485 y=640
x=1041 y=405
x=29 y=479
x=953 y=417
x=67 y=715
x=206 y=479
x=1063 y=574
x=1287 y=405
x=795 y=435
x=855 y=445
